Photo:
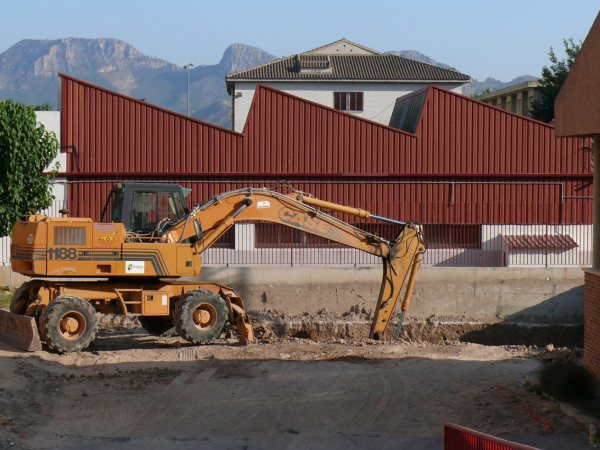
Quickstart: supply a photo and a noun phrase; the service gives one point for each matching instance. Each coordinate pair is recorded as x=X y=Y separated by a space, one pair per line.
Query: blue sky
x=502 y=39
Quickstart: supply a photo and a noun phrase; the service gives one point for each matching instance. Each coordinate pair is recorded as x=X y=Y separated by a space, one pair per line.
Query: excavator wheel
x=157 y=326
x=200 y=316
x=20 y=299
x=68 y=324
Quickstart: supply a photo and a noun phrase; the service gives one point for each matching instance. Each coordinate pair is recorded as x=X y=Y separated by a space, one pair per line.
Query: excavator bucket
x=403 y=263
x=19 y=331
x=245 y=330
x=243 y=325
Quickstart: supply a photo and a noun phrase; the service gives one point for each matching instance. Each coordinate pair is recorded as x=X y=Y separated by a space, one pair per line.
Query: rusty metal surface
x=577 y=106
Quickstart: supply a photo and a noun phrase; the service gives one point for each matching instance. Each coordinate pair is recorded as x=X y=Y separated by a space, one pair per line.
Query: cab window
x=149 y=208
x=113 y=210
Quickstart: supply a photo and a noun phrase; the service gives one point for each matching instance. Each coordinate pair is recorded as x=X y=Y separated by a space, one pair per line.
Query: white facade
x=51 y=122
x=581 y=234
x=378 y=98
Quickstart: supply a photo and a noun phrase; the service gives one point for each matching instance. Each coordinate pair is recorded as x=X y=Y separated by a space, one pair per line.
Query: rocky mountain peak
x=240 y=57
x=44 y=58
x=418 y=56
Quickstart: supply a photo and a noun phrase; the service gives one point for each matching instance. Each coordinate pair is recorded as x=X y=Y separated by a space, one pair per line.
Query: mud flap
x=19 y=331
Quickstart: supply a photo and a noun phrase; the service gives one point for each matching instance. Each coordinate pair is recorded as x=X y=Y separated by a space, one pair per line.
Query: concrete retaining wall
x=553 y=295
x=490 y=294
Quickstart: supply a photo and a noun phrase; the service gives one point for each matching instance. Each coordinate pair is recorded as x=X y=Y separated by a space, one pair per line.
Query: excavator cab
x=142 y=206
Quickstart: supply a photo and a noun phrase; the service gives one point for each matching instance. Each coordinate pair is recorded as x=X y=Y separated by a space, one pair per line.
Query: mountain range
x=28 y=74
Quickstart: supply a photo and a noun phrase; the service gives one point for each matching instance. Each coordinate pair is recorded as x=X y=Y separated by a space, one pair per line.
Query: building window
x=227 y=240
x=348 y=101
x=452 y=236
x=272 y=235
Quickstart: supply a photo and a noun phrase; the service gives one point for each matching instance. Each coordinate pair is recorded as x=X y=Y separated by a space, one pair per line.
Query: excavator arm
x=401 y=257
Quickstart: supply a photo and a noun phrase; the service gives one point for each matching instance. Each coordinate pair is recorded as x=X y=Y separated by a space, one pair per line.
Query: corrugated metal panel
x=288 y=135
x=114 y=134
x=460 y=136
x=424 y=202
x=468 y=163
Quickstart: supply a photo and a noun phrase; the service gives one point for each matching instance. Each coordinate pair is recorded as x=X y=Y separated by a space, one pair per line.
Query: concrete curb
x=576 y=414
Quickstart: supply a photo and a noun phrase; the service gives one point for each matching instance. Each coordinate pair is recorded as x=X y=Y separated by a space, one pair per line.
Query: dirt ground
x=130 y=390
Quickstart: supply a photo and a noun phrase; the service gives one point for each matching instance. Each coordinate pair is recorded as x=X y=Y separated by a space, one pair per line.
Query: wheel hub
x=205 y=316
x=72 y=325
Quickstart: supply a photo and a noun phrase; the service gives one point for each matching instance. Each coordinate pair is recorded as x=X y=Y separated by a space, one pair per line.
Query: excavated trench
x=356 y=323
x=434 y=330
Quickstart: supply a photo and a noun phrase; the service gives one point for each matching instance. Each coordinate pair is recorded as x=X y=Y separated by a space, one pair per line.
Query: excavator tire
x=20 y=299
x=200 y=316
x=157 y=326
x=68 y=324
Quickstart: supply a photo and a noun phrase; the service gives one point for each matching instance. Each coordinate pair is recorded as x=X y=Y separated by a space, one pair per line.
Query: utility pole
x=187 y=67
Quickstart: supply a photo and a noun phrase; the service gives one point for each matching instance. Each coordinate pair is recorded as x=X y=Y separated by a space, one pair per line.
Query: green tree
x=26 y=150
x=43 y=107
x=552 y=79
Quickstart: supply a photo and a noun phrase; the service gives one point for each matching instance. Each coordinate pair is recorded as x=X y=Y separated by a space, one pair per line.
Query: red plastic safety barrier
x=462 y=438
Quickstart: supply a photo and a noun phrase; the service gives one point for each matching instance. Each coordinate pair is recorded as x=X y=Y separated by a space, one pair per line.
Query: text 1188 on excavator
x=131 y=263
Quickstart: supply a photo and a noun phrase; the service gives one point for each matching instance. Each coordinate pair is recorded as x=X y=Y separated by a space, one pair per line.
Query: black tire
x=200 y=316
x=157 y=325
x=68 y=324
x=20 y=299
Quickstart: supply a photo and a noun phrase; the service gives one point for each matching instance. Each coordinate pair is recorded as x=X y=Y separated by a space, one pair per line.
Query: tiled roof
x=348 y=67
x=549 y=241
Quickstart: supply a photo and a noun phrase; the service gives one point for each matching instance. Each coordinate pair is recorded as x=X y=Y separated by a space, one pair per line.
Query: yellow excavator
x=132 y=262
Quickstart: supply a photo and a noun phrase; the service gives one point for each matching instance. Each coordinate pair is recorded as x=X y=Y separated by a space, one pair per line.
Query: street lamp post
x=187 y=67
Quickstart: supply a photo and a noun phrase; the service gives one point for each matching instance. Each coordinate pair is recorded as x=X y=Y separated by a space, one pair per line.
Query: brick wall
x=591 y=357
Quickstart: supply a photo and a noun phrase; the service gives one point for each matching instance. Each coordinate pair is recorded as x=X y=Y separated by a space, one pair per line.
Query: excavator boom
x=401 y=257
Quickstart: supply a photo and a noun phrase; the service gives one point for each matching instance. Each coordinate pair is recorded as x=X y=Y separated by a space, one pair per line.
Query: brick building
x=577 y=113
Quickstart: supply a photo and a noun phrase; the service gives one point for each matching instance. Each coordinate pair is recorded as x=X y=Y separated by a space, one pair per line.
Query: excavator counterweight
x=132 y=262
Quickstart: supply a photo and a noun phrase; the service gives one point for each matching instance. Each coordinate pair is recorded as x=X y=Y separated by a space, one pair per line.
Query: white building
x=51 y=122
x=341 y=75
x=517 y=98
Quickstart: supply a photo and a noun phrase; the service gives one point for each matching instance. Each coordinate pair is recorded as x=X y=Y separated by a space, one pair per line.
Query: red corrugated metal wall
x=120 y=136
x=467 y=163
x=461 y=136
x=289 y=135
